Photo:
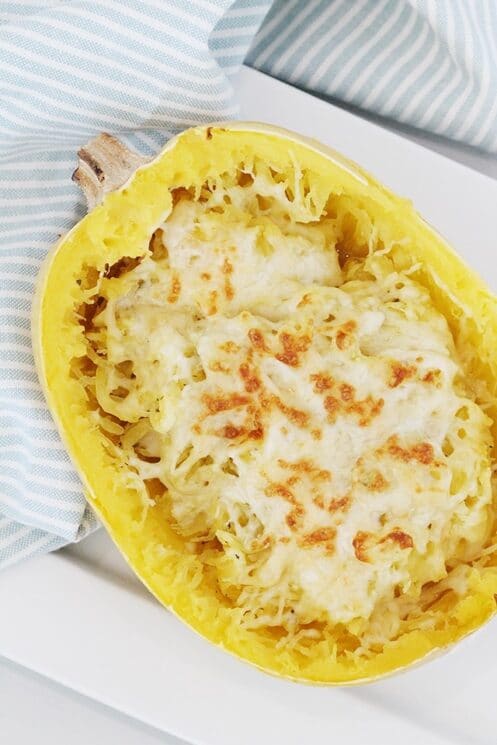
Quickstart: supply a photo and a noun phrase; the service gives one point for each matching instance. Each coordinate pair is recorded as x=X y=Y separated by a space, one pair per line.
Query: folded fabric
x=142 y=69
x=428 y=63
x=145 y=70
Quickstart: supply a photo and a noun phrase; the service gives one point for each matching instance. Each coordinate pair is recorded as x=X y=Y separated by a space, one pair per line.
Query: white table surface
x=36 y=710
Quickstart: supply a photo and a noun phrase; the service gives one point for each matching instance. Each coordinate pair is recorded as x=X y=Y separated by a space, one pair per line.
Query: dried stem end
x=104 y=165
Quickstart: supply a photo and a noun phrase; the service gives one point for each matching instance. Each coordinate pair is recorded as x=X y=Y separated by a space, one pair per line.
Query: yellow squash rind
x=121 y=226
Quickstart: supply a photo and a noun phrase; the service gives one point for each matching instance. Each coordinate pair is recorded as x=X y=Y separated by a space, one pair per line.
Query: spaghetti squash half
x=278 y=385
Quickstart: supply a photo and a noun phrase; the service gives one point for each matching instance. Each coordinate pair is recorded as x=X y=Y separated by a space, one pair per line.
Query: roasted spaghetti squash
x=278 y=385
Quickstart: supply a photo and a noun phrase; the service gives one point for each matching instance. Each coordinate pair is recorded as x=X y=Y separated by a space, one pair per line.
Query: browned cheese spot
x=296 y=416
x=257 y=340
x=175 y=290
x=347 y=392
x=433 y=377
x=231 y=432
x=400 y=372
x=324 y=537
x=375 y=481
x=228 y=287
x=398 y=536
x=344 y=335
x=366 y=409
x=281 y=490
x=215 y=404
x=251 y=428
x=212 y=303
x=322 y=382
x=293 y=480
x=319 y=501
x=306 y=466
x=219 y=367
x=293 y=347
x=332 y=406
x=421 y=452
x=255 y=429
x=360 y=544
x=250 y=380
x=339 y=504
x=292 y=520
x=256 y=433
x=230 y=347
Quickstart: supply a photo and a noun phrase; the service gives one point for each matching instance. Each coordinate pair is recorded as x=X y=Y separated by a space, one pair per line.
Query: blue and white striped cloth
x=145 y=69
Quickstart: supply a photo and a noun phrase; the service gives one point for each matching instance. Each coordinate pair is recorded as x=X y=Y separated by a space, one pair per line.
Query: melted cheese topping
x=321 y=452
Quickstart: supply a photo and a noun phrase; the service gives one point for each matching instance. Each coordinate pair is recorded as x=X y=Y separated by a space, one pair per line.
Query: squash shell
x=121 y=225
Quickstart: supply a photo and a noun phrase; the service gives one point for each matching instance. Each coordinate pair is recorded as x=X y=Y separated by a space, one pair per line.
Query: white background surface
x=33 y=709
x=36 y=710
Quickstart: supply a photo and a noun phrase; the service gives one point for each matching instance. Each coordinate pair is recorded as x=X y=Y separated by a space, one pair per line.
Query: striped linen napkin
x=145 y=69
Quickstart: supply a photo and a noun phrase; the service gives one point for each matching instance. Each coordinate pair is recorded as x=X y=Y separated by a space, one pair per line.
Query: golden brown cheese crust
x=303 y=433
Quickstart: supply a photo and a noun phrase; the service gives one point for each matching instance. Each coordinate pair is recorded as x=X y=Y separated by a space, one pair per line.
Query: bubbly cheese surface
x=309 y=418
